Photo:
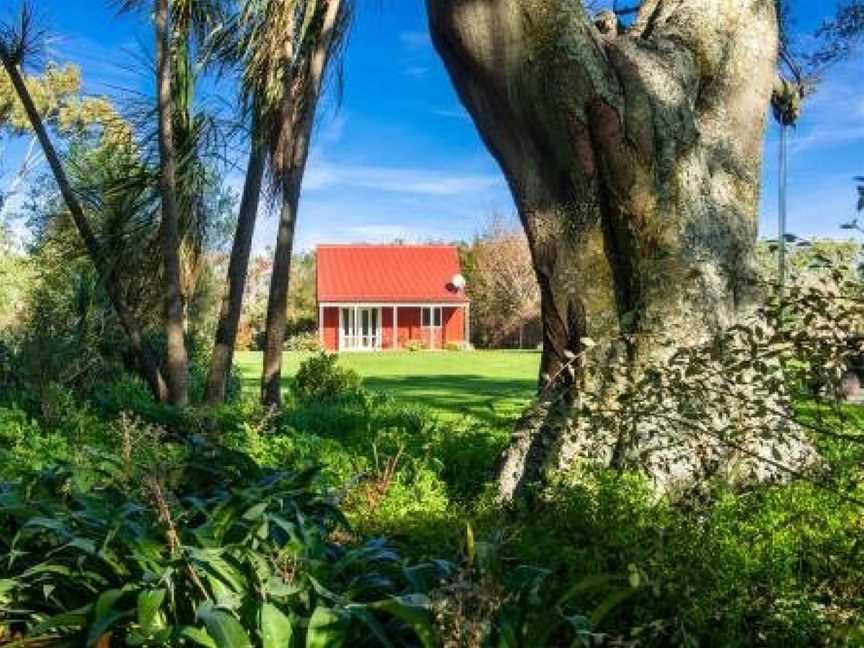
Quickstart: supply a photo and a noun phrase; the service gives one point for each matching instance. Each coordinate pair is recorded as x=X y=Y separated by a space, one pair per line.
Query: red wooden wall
x=386 y=328
x=454 y=325
x=409 y=325
x=409 y=320
x=331 y=329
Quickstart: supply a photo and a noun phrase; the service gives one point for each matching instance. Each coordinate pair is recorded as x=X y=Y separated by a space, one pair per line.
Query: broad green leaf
x=414 y=610
x=47 y=568
x=105 y=602
x=223 y=627
x=276 y=628
x=255 y=512
x=104 y=625
x=487 y=559
x=72 y=619
x=328 y=628
x=610 y=604
x=470 y=547
x=586 y=585
x=105 y=615
x=150 y=617
x=214 y=563
x=198 y=636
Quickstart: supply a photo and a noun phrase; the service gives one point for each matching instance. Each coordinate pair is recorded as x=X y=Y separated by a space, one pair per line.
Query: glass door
x=359 y=329
x=346 y=329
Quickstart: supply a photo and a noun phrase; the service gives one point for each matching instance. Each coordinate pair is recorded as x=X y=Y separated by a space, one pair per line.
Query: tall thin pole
x=781 y=270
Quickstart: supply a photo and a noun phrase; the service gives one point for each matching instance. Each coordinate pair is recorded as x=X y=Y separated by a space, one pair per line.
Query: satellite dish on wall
x=458 y=282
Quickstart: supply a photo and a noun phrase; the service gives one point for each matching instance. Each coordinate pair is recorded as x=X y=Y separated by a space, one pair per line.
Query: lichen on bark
x=634 y=158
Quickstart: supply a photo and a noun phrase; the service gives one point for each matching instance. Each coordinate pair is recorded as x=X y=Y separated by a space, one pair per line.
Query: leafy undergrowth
x=165 y=544
x=776 y=565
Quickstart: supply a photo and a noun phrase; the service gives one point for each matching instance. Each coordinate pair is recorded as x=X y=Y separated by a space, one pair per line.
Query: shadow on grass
x=485 y=398
x=488 y=399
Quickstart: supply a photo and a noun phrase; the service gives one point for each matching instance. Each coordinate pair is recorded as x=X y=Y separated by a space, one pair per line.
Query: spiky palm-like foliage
x=280 y=51
x=17 y=40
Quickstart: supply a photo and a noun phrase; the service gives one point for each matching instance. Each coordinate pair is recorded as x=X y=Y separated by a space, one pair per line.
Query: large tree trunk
x=146 y=362
x=238 y=267
x=176 y=361
x=634 y=158
x=298 y=121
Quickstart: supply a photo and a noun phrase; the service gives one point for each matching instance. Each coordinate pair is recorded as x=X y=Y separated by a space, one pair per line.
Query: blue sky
x=398 y=157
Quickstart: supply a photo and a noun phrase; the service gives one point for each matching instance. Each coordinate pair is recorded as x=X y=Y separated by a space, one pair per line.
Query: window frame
x=429 y=315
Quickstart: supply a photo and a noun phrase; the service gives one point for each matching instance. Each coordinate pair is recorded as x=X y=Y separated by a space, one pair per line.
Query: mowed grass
x=492 y=386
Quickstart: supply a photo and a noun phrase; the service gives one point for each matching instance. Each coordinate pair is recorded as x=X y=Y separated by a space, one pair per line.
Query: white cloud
x=322 y=175
x=331 y=130
x=459 y=113
x=309 y=236
x=833 y=116
x=104 y=70
x=825 y=135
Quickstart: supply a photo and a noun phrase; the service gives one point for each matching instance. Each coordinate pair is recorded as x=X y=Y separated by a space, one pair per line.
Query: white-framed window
x=431 y=317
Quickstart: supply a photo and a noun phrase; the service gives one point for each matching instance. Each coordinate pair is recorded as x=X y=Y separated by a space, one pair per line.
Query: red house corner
x=385 y=297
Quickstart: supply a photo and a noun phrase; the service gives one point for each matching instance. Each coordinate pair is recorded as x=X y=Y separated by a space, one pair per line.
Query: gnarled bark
x=634 y=158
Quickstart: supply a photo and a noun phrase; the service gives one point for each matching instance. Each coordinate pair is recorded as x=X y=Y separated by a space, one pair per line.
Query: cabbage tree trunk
x=176 y=359
x=295 y=137
x=231 y=307
x=634 y=157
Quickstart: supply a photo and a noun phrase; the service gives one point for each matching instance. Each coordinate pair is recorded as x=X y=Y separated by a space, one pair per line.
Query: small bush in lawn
x=414 y=345
x=320 y=378
x=454 y=346
x=304 y=342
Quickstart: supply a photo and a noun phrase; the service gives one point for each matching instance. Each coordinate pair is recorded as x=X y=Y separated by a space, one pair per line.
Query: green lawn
x=489 y=385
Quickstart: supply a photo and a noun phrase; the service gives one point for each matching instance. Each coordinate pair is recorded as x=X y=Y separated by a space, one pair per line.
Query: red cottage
x=383 y=297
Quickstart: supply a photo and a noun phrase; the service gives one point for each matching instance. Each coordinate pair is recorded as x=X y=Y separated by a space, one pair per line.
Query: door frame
x=355 y=336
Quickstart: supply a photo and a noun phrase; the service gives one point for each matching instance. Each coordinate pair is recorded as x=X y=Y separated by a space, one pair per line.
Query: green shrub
x=779 y=565
x=213 y=552
x=209 y=549
x=321 y=379
x=24 y=446
x=308 y=342
x=8 y=371
x=199 y=366
x=30 y=442
x=414 y=345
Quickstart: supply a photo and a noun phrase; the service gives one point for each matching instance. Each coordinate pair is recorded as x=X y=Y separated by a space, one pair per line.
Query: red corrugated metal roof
x=388 y=273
